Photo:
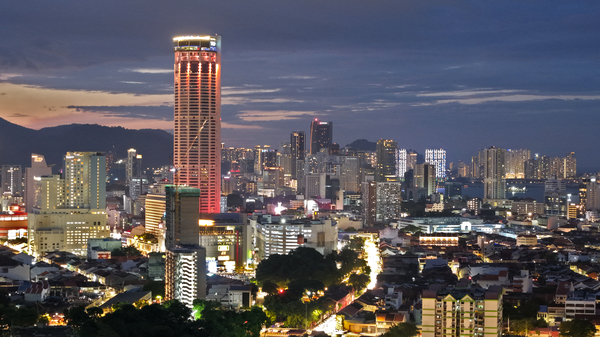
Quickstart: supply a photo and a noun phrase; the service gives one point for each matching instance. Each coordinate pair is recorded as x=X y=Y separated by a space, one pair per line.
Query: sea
x=523 y=190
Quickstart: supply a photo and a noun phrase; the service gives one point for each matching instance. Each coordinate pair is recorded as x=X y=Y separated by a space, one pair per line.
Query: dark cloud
x=374 y=68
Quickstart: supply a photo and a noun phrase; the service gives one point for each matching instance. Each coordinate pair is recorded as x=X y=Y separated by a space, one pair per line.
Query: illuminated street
x=373 y=259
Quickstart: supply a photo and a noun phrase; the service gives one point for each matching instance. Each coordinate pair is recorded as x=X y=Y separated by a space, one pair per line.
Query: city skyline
x=424 y=75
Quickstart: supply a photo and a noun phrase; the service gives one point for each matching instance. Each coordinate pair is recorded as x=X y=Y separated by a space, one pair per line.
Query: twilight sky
x=461 y=75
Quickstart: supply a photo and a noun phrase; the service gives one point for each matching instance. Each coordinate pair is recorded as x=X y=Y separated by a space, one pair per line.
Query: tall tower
x=387 y=161
x=197 y=129
x=297 y=150
x=321 y=136
x=494 y=185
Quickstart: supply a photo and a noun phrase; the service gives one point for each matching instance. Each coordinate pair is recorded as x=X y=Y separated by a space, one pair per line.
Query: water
x=533 y=191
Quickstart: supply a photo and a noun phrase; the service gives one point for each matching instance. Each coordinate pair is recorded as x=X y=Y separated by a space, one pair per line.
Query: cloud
x=152 y=71
x=517 y=98
x=296 y=77
x=470 y=92
x=226 y=91
x=271 y=116
x=35 y=106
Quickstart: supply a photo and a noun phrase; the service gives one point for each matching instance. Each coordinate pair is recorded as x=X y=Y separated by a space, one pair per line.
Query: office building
x=321 y=136
x=185 y=274
x=297 y=149
x=462 y=311
x=197 y=122
x=387 y=161
x=350 y=174
x=228 y=240
x=315 y=185
x=12 y=180
x=494 y=185
x=437 y=158
x=181 y=215
x=70 y=210
x=38 y=168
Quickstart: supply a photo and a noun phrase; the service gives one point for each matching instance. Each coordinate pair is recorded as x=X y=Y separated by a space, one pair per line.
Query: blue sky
x=461 y=75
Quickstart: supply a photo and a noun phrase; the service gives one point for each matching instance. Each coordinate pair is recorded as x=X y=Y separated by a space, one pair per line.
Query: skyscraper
x=437 y=158
x=297 y=150
x=133 y=167
x=387 y=161
x=197 y=125
x=494 y=185
x=321 y=135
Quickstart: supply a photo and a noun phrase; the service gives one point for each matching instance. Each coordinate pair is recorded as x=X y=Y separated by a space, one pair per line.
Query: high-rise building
x=515 y=163
x=387 y=161
x=350 y=174
x=133 y=166
x=570 y=166
x=437 y=158
x=185 y=274
x=494 y=185
x=181 y=216
x=321 y=136
x=297 y=139
x=70 y=210
x=38 y=168
x=424 y=178
x=381 y=202
x=197 y=124
x=12 y=180
x=155 y=211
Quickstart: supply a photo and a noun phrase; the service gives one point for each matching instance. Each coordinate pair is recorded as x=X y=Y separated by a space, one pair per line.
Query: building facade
x=70 y=210
x=494 y=184
x=387 y=161
x=437 y=158
x=464 y=312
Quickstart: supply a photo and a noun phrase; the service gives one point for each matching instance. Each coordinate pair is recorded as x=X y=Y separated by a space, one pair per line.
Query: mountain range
x=17 y=143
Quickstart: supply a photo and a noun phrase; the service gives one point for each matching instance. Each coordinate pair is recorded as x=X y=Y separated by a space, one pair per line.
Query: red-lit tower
x=197 y=125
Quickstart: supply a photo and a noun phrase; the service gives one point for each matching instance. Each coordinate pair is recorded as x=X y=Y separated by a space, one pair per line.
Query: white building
x=280 y=235
x=437 y=158
x=185 y=274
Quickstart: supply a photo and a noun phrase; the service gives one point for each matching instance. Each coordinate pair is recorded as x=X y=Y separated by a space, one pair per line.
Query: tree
x=94 y=312
x=402 y=330
x=577 y=328
x=126 y=251
x=358 y=281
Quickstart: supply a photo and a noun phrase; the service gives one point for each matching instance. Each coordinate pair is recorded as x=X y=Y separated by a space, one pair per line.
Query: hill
x=363 y=144
x=17 y=143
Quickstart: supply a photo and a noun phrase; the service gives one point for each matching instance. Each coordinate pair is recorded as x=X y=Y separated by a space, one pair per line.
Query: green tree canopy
x=577 y=328
x=402 y=330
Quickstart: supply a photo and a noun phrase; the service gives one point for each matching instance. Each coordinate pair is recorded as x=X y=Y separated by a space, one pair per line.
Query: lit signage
x=206 y=223
x=223 y=258
x=223 y=248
